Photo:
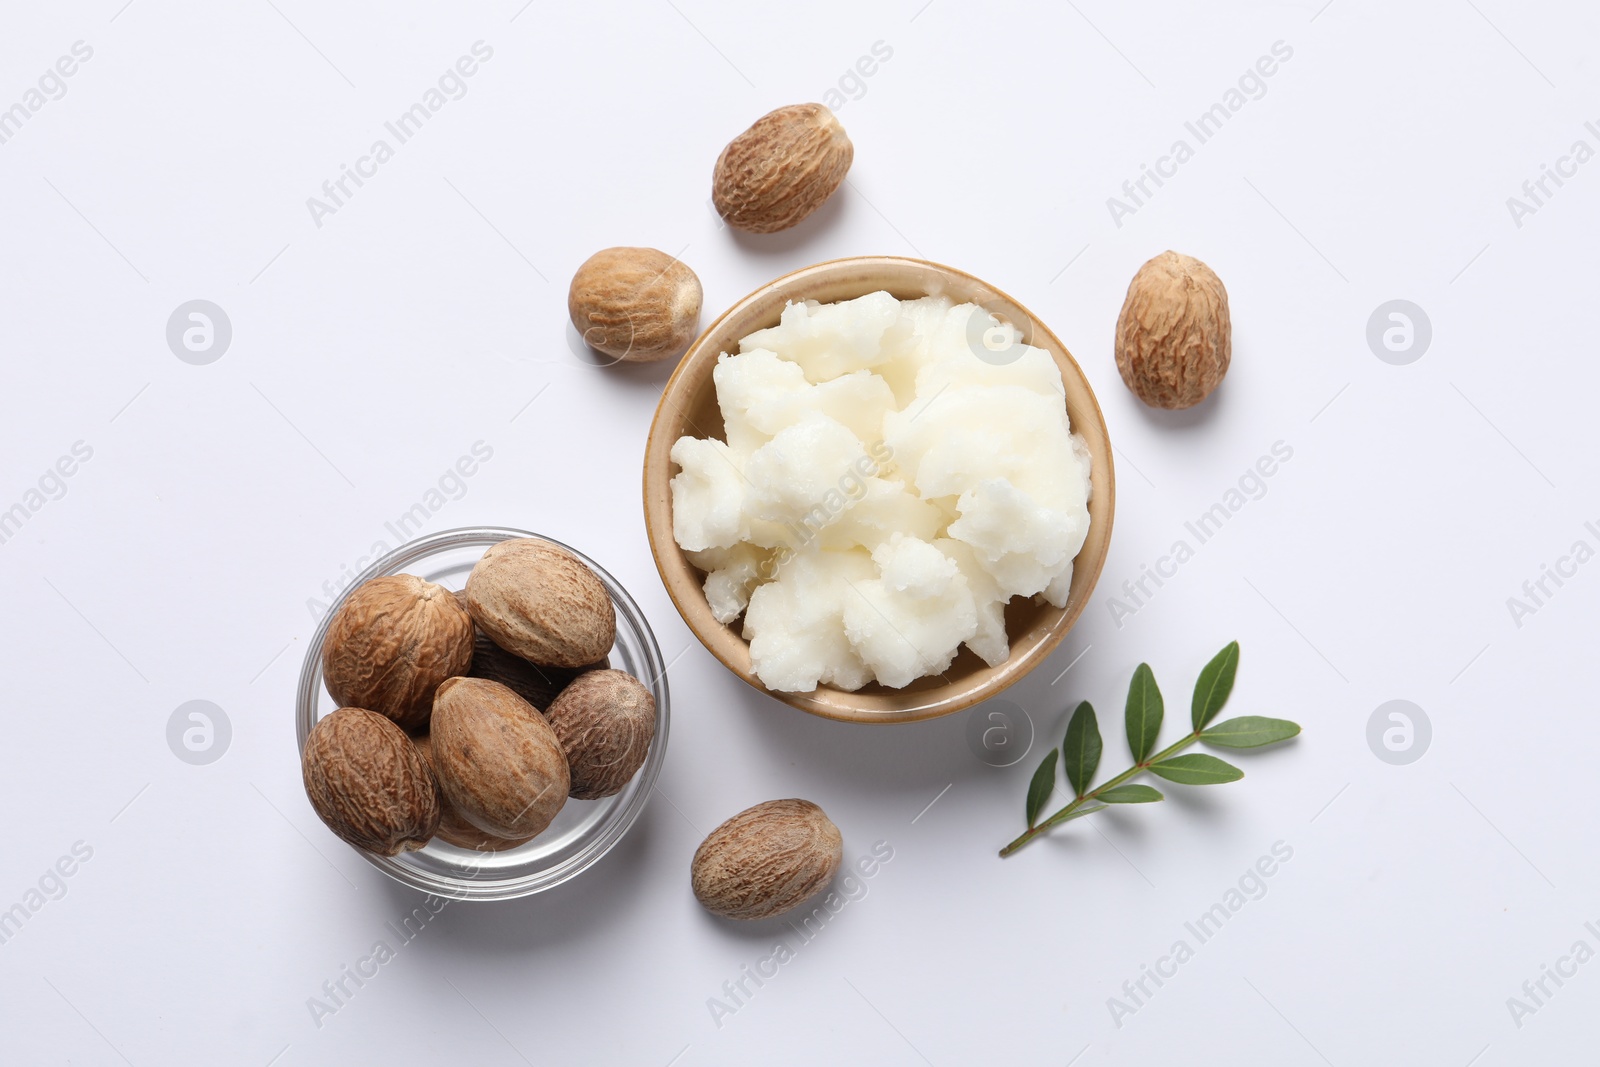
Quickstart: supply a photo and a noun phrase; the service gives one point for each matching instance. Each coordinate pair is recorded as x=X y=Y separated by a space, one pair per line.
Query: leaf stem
x=1067 y=812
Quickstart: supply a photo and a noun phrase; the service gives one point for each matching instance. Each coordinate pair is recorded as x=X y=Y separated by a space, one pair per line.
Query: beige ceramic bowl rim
x=1037 y=655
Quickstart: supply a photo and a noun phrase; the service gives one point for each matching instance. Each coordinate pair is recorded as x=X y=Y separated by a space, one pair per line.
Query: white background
x=372 y=352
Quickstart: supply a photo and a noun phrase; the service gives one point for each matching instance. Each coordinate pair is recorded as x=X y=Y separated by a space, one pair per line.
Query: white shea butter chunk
x=924 y=337
x=989 y=640
x=1023 y=366
x=885 y=508
x=795 y=477
x=828 y=340
x=950 y=441
x=1019 y=542
x=761 y=394
x=894 y=473
x=795 y=624
x=707 y=495
x=859 y=400
x=910 y=621
x=745 y=385
x=731 y=574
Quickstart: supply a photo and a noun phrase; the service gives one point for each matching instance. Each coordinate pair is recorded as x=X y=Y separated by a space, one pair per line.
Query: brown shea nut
x=452 y=827
x=536 y=683
x=605 y=721
x=538 y=600
x=500 y=765
x=766 y=860
x=638 y=305
x=1174 y=336
x=781 y=169
x=390 y=645
x=368 y=782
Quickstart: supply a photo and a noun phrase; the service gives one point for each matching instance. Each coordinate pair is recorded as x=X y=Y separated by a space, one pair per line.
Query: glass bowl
x=584 y=830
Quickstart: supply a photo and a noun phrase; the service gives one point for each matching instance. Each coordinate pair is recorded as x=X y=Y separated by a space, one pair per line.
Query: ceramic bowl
x=689 y=406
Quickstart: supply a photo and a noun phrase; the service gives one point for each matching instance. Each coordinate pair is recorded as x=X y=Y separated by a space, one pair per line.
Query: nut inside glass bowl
x=584 y=830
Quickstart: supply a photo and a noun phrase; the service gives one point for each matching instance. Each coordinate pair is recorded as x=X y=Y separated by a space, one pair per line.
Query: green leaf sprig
x=1080 y=752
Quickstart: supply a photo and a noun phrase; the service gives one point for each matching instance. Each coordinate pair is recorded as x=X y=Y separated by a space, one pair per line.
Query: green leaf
x=1196 y=769
x=1249 y=731
x=1044 y=780
x=1080 y=754
x=1130 y=794
x=1144 y=713
x=1213 y=686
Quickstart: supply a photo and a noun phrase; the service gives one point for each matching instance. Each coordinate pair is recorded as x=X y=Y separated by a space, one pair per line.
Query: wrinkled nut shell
x=500 y=765
x=1174 y=336
x=766 y=860
x=638 y=305
x=390 y=645
x=538 y=600
x=781 y=169
x=533 y=682
x=452 y=827
x=368 y=782
x=605 y=721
